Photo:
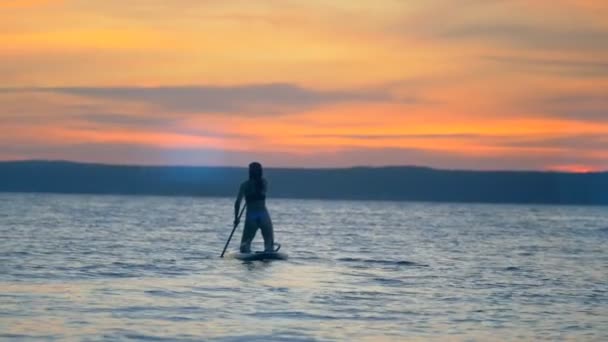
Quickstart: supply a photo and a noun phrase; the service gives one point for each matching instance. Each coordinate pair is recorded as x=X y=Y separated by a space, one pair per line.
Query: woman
x=254 y=191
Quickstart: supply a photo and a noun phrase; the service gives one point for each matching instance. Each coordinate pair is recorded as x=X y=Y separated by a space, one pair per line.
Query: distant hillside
x=386 y=183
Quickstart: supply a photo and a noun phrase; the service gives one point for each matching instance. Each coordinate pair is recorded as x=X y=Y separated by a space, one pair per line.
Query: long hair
x=255 y=174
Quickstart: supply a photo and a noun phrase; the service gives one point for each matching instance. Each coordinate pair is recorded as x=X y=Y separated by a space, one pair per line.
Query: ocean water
x=85 y=267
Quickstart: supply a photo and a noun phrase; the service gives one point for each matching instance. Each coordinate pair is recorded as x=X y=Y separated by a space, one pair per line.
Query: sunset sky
x=471 y=84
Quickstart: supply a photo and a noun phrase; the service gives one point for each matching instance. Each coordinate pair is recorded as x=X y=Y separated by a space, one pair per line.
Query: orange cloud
x=27 y=3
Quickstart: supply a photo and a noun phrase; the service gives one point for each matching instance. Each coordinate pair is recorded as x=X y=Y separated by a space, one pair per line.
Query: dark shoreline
x=396 y=183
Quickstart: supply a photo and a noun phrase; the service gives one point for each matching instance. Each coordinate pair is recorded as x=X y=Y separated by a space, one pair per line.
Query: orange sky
x=470 y=85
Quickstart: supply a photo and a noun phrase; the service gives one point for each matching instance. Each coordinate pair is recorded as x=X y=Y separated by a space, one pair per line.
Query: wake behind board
x=260 y=256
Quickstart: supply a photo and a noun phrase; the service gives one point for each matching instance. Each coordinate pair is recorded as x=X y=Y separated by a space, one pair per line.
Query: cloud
x=257 y=99
x=103 y=120
x=164 y=123
x=28 y=3
x=579 y=106
x=570 y=142
x=50 y=109
x=532 y=37
x=566 y=67
x=398 y=136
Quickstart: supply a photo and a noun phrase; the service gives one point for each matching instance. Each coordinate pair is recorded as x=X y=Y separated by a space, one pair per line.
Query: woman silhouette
x=257 y=216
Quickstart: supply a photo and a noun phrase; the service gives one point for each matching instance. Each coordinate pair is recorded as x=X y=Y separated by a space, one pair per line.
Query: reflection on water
x=108 y=268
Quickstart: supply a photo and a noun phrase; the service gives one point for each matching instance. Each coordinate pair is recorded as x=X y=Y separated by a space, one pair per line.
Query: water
x=119 y=267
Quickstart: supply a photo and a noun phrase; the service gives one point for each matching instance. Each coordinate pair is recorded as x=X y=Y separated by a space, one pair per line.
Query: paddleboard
x=260 y=256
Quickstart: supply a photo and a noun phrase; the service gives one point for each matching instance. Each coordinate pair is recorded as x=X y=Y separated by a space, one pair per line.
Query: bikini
x=256 y=214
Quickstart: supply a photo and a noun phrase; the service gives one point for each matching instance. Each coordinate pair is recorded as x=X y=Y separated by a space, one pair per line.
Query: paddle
x=233 y=229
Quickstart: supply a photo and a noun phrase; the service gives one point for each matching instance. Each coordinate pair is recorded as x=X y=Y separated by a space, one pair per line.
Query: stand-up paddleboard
x=260 y=256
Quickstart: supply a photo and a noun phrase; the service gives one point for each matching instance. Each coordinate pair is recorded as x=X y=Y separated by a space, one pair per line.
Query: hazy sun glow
x=477 y=85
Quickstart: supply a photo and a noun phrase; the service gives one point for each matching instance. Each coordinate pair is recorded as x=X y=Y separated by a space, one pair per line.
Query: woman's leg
x=267 y=232
x=248 y=234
